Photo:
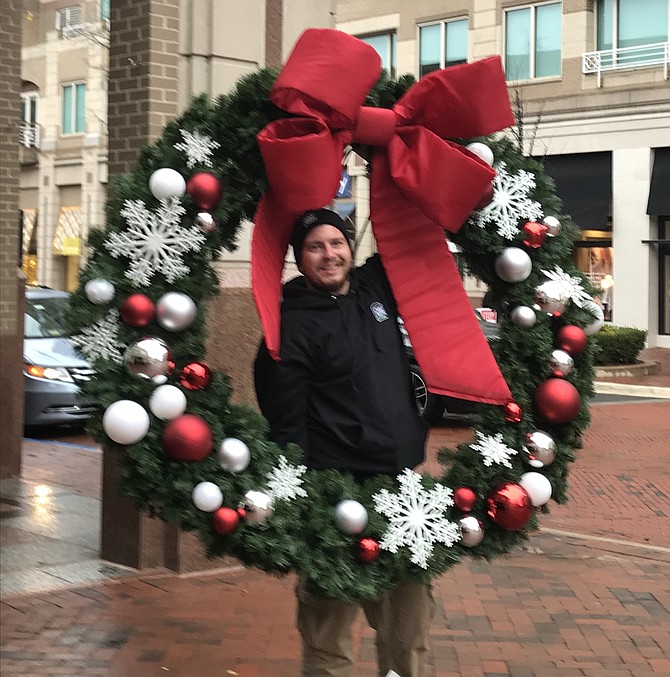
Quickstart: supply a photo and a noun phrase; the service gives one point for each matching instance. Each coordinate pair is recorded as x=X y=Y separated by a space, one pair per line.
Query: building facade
x=589 y=83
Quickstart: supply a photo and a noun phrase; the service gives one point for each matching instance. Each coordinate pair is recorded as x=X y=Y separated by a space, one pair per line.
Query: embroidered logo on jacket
x=379 y=311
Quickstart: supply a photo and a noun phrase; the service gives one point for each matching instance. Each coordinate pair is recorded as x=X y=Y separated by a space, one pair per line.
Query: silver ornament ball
x=541 y=449
x=257 y=506
x=233 y=455
x=594 y=309
x=523 y=316
x=99 y=291
x=553 y=225
x=561 y=363
x=551 y=298
x=472 y=531
x=148 y=358
x=166 y=182
x=206 y=222
x=513 y=265
x=175 y=311
x=351 y=517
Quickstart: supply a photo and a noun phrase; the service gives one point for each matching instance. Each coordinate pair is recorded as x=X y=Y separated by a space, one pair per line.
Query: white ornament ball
x=553 y=225
x=166 y=182
x=233 y=455
x=175 y=311
x=537 y=486
x=351 y=517
x=167 y=402
x=513 y=265
x=125 y=421
x=99 y=291
x=597 y=312
x=472 y=531
x=523 y=316
x=207 y=497
x=482 y=151
x=561 y=363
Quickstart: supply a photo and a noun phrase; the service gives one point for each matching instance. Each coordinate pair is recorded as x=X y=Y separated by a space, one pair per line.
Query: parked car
x=52 y=368
x=432 y=407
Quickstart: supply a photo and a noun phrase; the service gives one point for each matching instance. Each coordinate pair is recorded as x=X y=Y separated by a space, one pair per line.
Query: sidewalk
x=589 y=595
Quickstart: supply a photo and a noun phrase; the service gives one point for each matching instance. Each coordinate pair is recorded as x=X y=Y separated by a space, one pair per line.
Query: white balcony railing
x=644 y=56
x=29 y=135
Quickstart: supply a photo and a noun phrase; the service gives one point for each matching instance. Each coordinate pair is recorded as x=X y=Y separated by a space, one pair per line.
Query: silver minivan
x=52 y=368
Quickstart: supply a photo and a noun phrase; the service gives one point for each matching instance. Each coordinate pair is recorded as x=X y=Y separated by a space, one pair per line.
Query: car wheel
x=428 y=405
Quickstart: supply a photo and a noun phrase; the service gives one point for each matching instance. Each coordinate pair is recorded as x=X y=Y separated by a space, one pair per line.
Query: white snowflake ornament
x=197 y=147
x=571 y=285
x=493 y=449
x=154 y=241
x=510 y=202
x=417 y=518
x=284 y=481
x=101 y=341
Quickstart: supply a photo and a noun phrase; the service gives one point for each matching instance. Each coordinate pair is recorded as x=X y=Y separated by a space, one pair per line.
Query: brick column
x=11 y=278
x=142 y=98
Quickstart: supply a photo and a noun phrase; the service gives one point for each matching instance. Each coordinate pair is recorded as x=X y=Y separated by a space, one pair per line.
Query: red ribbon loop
x=422 y=183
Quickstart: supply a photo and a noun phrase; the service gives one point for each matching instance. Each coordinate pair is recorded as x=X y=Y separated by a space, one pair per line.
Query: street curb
x=605 y=388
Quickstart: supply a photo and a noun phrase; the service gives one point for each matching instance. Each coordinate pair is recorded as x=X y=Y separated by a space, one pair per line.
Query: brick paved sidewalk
x=588 y=597
x=555 y=610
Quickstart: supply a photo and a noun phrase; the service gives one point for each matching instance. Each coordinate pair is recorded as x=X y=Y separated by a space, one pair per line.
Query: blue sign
x=344 y=189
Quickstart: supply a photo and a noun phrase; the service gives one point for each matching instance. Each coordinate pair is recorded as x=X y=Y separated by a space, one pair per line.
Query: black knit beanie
x=313 y=218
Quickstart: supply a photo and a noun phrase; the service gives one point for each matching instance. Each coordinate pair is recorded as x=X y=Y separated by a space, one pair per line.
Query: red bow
x=421 y=185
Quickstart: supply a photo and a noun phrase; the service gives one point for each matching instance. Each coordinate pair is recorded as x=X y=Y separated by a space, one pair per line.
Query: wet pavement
x=588 y=595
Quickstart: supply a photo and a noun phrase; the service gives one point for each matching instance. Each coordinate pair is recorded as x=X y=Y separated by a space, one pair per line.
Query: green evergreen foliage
x=618 y=345
x=301 y=535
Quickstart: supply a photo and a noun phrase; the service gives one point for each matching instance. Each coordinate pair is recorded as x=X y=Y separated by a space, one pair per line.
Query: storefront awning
x=584 y=185
x=659 y=188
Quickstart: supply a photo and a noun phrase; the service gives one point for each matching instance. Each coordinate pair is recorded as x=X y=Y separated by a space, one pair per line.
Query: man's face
x=326 y=260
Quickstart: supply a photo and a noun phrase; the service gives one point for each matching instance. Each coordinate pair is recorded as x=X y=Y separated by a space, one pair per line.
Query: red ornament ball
x=486 y=198
x=137 y=310
x=513 y=413
x=187 y=438
x=205 y=189
x=367 y=550
x=534 y=234
x=465 y=499
x=195 y=376
x=225 y=521
x=571 y=339
x=557 y=401
x=509 y=506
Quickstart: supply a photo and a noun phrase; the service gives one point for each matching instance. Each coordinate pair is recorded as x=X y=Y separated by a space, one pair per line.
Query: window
x=664 y=274
x=385 y=45
x=29 y=130
x=68 y=17
x=442 y=44
x=74 y=108
x=104 y=10
x=533 y=41
x=622 y=26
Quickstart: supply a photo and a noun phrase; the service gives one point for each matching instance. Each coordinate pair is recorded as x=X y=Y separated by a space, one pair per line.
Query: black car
x=432 y=407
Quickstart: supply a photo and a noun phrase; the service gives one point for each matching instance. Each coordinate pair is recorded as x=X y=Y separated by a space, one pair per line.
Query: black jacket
x=342 y=391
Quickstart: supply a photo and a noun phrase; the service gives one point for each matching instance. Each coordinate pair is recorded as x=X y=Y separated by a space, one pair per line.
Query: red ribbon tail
x=449 y=345
x=272 y=233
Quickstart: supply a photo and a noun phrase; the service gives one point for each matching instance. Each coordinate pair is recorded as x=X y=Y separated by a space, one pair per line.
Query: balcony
x=29 y=135
x=643 y=56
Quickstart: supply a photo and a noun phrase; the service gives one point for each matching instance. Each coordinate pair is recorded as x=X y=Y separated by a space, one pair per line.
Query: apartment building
x=62 y=134
x=590 y=84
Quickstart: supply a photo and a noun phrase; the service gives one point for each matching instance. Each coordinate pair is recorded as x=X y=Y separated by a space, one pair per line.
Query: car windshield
x=45 y=317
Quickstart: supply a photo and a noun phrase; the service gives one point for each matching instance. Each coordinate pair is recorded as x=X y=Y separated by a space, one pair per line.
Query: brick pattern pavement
x=564 y=606
x=553 y=610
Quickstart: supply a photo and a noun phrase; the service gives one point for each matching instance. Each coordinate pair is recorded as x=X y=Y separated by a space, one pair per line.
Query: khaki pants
x=401 y=618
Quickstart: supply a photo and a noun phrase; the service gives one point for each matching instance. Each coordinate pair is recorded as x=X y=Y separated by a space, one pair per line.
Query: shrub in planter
x=618 y=345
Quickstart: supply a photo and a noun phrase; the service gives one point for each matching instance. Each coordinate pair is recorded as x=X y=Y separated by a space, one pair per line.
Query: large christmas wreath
x=191 y=456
